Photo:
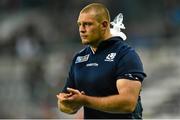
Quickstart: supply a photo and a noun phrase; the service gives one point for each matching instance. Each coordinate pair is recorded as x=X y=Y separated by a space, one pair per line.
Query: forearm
x=124 y=102
x=111 y=104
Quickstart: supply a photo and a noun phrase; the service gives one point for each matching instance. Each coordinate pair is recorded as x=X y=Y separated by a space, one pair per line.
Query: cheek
x=95 y=32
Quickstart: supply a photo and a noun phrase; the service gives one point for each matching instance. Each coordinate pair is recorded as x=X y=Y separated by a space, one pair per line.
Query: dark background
x=38 y=39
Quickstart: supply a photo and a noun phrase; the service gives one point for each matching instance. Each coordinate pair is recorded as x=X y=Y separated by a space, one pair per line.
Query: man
x=105 y=77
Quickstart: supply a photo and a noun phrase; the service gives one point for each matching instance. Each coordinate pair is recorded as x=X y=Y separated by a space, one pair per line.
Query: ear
x=104 y=24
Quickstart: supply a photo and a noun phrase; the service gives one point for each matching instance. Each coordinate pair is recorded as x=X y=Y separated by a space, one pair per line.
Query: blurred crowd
x=38 y=39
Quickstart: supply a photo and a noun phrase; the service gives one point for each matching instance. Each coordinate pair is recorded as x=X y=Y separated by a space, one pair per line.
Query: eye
x=79 y=24
x=84 y=24
x=87 y=24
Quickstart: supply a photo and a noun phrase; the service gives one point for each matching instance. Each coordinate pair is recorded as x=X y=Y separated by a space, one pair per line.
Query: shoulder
x=83 y=51
x=124 y=50
x=122 y=47
x=119 y=43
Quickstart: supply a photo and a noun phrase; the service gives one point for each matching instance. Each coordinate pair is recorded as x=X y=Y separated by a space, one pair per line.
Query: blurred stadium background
x=39 y=37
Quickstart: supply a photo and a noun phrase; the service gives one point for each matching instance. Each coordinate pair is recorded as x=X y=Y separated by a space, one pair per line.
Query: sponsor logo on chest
x=81 y=59
x=92 y=64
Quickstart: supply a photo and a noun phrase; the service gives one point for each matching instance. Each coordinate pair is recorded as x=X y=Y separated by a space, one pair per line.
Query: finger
x=67 y=95
x=61 y=98
x=58 y=96
x=74 y=91
x=82 y=92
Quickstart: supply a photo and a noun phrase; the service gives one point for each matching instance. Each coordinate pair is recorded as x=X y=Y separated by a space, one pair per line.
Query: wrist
x=84 y=100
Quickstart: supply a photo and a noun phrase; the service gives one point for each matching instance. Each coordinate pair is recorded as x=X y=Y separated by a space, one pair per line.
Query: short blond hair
x=100 y=10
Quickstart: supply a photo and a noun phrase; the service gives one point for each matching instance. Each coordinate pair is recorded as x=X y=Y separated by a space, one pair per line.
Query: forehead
x=86 y=16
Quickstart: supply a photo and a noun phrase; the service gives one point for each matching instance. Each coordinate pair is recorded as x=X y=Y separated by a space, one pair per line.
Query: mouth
x=84 y=36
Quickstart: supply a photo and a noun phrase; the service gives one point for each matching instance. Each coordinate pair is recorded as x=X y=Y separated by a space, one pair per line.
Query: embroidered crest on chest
x=110 y=57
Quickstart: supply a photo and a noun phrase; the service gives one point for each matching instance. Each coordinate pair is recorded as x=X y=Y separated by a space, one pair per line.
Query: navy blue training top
x=96 y=74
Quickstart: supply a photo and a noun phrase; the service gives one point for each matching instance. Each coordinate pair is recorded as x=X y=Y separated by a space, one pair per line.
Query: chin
x=85 y=42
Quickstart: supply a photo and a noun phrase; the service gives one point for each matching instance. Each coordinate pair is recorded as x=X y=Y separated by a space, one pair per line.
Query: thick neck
x=106 y=37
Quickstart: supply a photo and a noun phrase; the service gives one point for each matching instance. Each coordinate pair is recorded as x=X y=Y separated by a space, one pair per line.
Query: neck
x=106 y=37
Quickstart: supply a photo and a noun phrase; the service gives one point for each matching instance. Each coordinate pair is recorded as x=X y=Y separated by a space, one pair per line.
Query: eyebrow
x=84 y=23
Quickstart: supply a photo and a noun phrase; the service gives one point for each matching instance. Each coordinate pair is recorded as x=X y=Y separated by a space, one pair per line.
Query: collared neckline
x=106 y=43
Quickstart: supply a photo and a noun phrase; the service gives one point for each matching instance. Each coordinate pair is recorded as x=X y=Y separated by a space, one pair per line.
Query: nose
x=82 y=29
